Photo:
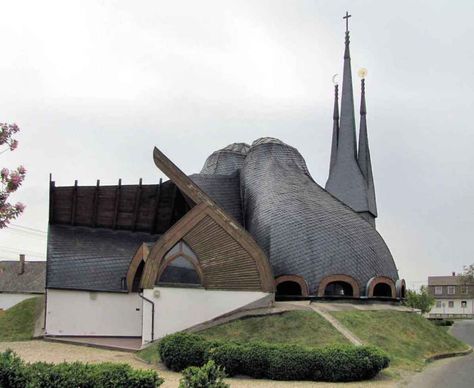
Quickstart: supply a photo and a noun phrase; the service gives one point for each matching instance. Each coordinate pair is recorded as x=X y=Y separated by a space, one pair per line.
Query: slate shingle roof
x=224 y=189
x=83 y=258
x=31 y=281
x=303 y=229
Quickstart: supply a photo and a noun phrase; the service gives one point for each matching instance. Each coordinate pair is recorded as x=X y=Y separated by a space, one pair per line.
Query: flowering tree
x=10 y=180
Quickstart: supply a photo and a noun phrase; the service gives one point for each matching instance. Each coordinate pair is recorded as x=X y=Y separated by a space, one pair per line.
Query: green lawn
x=295 y=327
x=408 y=338
x=18 y=322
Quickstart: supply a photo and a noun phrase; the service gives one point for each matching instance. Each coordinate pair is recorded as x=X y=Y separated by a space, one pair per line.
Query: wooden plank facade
x=142 y=208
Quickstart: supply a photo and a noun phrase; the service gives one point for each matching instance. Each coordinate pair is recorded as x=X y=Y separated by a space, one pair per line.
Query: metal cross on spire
x=347 y=20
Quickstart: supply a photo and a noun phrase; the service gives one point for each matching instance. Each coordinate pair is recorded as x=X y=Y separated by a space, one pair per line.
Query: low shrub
x=277 y=362
x=178 y=351
x=208 y=376
x=15 y=373
x=443 y=322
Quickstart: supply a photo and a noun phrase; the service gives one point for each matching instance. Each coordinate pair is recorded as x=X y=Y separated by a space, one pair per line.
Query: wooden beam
x=95 y=205
x=154 y=224
x=138 y=197
x=173 y=203
x=51 y=199
x=117 y=203
x=74 y=203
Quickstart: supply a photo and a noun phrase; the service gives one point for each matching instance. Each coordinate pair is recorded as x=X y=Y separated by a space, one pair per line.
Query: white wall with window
x=452 y=307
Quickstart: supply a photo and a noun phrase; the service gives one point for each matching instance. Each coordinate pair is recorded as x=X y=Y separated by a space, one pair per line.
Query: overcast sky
x=94 y=85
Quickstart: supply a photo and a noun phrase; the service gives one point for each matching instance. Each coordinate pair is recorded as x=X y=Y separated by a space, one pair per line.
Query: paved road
x=455 y=372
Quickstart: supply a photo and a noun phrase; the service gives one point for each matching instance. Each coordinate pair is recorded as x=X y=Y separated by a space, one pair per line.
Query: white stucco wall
x=83 y=313
x=177 y=309
x=456 y=309
x=8 y=300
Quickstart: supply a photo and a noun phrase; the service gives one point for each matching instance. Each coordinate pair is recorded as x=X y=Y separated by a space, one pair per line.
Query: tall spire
x=345 y=180
x=335 y=127
x=348 y=132
x=364 y=152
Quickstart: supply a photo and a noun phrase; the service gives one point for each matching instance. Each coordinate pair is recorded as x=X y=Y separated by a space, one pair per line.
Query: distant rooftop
x=32 y=280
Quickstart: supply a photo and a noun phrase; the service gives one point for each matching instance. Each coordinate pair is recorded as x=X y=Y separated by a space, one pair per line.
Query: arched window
x=291 y=285
x=382 y=287
x=338 y=285
x=180 y=270
x=338 y=288
x=288 y=288
x=382 y=290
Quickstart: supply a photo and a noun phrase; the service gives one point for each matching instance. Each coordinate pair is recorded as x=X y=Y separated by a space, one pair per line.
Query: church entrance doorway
x=288 y=288
x=338 y=288
x=382 y=290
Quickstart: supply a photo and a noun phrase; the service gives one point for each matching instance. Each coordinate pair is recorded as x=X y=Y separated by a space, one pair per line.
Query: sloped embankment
x=408 y=338
x=18 y=322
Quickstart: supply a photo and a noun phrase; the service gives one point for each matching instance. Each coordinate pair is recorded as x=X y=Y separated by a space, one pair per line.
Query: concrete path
x=320 y=309
x=455 y=372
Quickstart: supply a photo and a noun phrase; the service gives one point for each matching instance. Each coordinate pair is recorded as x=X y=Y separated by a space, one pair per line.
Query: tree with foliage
x=10 y=180
x=421 y=300
x=467 y=276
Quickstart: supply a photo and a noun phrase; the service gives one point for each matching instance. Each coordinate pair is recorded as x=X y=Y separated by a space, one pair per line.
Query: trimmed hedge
x=15 y=373
x=276 y=362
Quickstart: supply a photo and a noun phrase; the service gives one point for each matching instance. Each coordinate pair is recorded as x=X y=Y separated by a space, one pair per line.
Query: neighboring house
x=453 y=297
x=20 y=280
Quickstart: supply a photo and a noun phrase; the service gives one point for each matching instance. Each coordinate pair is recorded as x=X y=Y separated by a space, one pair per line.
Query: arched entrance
x=288 y=288
x=381 y=287
x=338 y=288
x=401 y=288
x=291 y=285
x=382 y=290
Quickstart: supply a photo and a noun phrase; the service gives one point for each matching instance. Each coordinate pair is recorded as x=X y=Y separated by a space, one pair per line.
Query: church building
x=147 y=260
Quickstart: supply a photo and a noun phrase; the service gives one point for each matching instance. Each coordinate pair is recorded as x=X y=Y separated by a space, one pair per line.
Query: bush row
x=15 y=373
x=277 y=362
x=443 y=322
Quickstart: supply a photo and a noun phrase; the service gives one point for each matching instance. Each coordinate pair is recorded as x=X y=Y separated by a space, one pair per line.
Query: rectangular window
x=463 y=304
x=439 y=290
x=451 y=290
x=451 y=304
x=438 y=303
x=464 y=289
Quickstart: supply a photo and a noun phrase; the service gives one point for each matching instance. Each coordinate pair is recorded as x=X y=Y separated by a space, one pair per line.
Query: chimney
x=454 y=273
x=21 y=270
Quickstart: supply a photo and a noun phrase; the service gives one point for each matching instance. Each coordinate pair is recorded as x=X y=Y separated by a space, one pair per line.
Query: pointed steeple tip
x=362 y=74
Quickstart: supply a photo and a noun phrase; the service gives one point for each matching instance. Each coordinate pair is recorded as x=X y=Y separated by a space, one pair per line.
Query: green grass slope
x=294 y=327
x=408 y=338
x=18 y=322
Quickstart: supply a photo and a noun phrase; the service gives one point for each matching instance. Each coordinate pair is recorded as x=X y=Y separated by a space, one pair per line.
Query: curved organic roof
x=302 y=228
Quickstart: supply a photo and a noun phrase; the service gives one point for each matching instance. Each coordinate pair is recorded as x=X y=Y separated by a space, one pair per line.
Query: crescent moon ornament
x=334 y=79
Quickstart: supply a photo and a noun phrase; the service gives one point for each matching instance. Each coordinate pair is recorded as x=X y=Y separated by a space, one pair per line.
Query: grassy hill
x=18 y=322
x=408 y=338
x=293 y=327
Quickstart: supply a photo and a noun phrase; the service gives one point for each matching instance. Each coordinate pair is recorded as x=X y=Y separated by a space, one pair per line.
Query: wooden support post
x=138 y=197
x=117 y=203
x=51 y=199
x=154 y=224
x=74 y=203
x=95 y=206
x=173 y=202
